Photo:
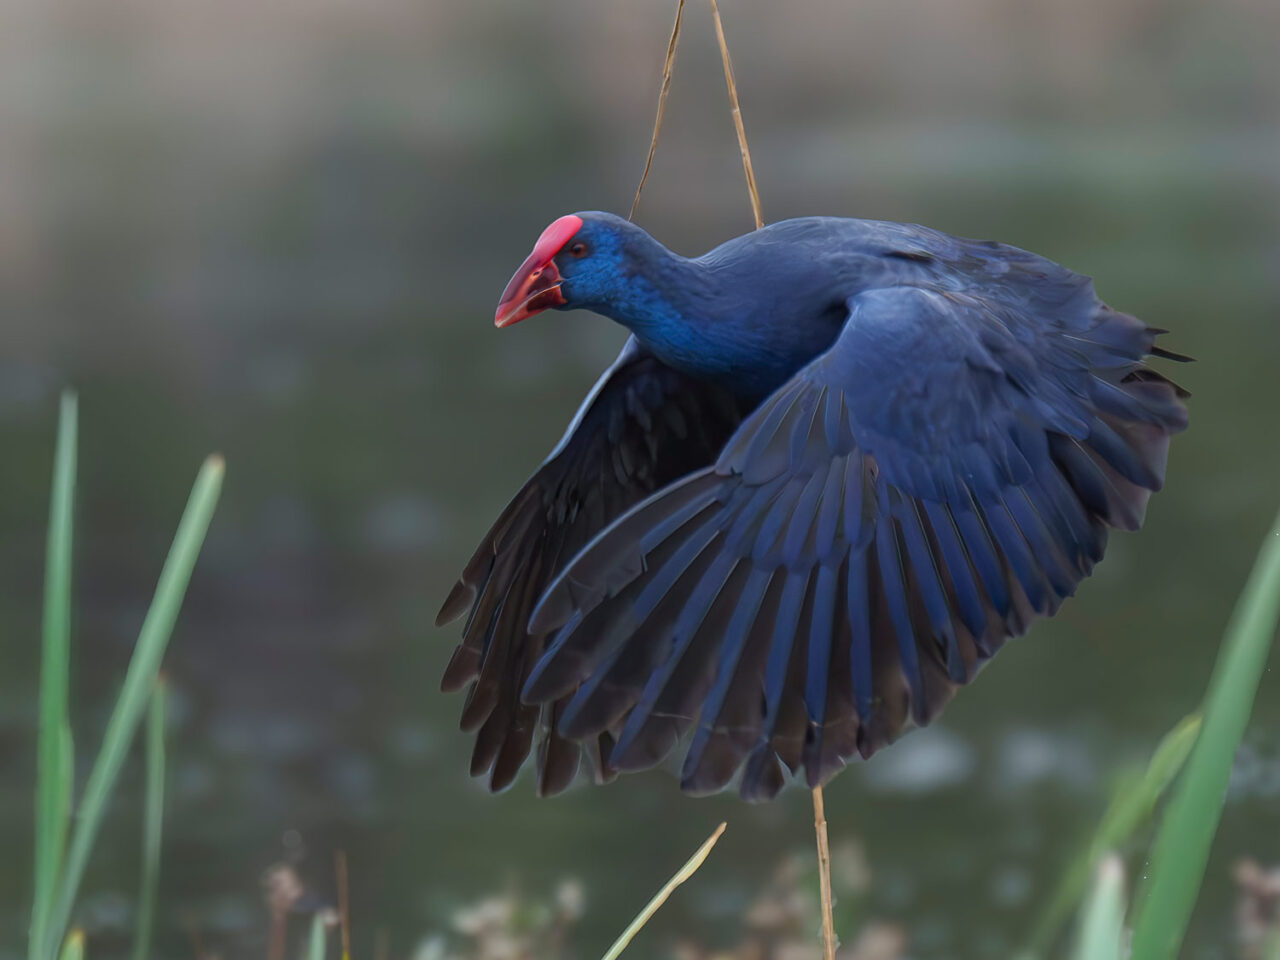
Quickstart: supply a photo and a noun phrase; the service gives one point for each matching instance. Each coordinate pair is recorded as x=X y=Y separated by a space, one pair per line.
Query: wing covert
x=867 y=538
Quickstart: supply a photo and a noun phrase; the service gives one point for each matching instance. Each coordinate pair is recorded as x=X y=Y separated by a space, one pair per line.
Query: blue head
x=584 y=260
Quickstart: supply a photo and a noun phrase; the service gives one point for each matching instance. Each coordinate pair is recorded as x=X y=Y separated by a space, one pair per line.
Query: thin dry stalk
x=684 y=873
x=192 y=927
x=668 y=67
x=819 y=811
x=381 y=944
x=344 y=904
x=747 y=169
x=283 y=889
x=275 y=936
x=824 y=875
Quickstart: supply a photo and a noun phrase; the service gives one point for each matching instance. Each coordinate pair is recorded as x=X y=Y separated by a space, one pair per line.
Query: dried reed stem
x=824 y=875
x=192 y=927
x=668 y=67
x=819 y=810
x=276 y=934
x=684 y=873
x=737 y=117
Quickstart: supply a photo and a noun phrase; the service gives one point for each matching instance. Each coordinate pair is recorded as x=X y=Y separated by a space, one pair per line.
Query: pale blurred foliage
x=780 y=923
x=1257 y=910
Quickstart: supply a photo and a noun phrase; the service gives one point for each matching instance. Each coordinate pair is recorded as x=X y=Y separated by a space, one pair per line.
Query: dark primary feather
x=871 y=533
x=643 y=426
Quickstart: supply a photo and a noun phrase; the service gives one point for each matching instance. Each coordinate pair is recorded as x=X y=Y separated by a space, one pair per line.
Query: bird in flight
x=837 y=463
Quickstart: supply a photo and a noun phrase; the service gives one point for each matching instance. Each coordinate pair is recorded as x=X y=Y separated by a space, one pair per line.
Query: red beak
x=536 y=285
x=534 y=288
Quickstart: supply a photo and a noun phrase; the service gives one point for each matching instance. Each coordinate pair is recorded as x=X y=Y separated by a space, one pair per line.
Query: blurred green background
x=278 y=231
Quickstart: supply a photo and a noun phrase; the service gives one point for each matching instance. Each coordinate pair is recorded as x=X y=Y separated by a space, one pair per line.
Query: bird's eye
x=578 y=249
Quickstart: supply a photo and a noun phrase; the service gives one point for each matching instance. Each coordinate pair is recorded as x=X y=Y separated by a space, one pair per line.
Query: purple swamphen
x=836 y=464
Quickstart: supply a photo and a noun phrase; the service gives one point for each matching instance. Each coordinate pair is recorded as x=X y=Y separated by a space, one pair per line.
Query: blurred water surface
x=278 y=231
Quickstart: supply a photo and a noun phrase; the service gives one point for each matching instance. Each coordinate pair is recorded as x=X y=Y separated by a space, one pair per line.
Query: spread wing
x=870 y=535
x=643 y=426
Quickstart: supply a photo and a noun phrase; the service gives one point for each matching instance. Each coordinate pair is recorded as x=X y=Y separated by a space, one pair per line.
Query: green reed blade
x=1132 y=804
x=138 y=683
x=152 y=823
x=316 y=940
x=1186 y=833
x=73 y=948
x=1101 y=934
x=53 y=763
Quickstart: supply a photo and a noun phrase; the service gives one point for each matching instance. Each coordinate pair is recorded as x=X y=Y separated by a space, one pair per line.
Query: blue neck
x=682 y=312
x=670 y=305
x=727 y=316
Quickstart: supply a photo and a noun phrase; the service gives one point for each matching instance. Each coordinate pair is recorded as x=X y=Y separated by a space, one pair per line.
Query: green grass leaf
x=54 y=763
x=1131 y=806
x=316 y=941
x=1102 y=919
x=138 y=683
x=73 y=948
x=152 y=823
x=1186 y=833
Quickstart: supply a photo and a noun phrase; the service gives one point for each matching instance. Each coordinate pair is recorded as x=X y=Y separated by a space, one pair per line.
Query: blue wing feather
x=643 y=426
x=943 y=473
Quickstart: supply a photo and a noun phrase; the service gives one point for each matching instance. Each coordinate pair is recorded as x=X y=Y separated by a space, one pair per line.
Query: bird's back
x=830 y=255
x=782 y=291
